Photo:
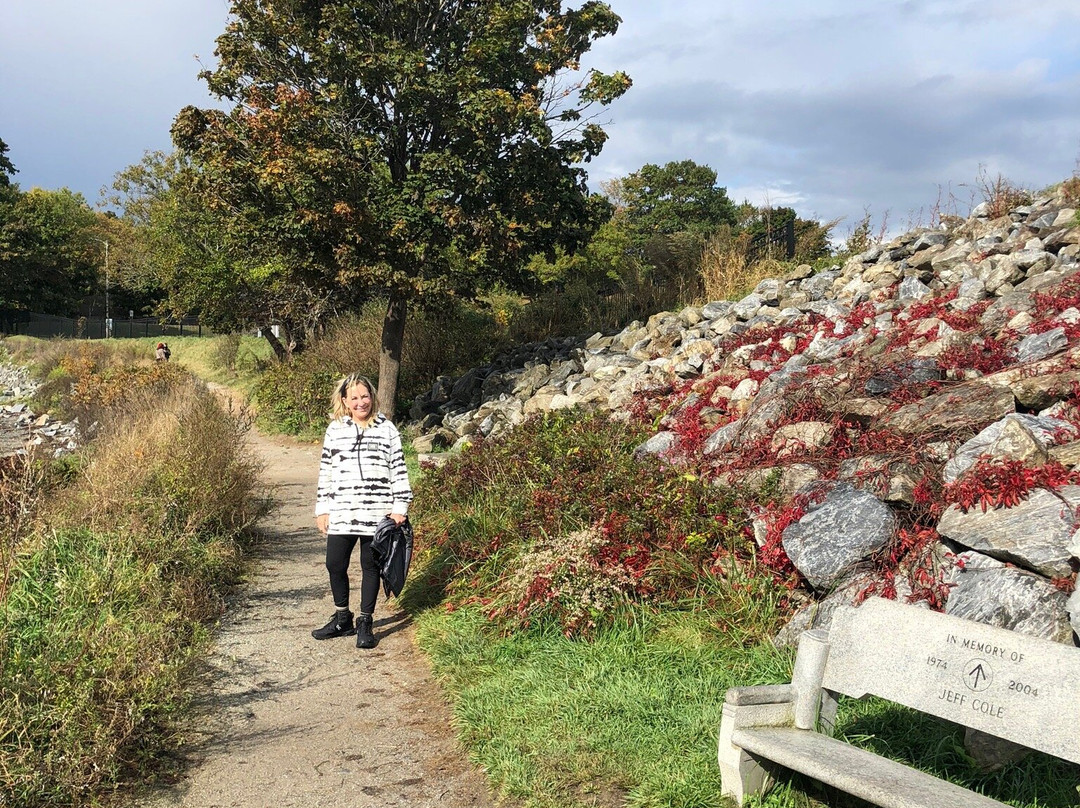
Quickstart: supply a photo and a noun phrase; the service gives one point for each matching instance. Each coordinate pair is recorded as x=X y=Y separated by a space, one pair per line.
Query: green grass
x=94 y=661
x=631 y=717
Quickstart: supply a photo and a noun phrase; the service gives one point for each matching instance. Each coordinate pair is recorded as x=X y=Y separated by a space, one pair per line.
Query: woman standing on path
x=362 y=478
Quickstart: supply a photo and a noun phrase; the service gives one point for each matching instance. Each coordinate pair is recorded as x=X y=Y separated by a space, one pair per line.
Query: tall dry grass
x=725 y=273
x=167 y=459
x=21 y=487
x=124 y=556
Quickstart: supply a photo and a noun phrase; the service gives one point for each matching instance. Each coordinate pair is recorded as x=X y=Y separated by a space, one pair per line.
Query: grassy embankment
x=618 y=702
x=115 y=561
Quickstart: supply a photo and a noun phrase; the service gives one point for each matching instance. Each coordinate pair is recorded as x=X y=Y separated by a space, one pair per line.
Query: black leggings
x=338 y=552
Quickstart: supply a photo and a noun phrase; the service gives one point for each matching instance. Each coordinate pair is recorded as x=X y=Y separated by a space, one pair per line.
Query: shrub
x=573 y=581
x=559 y=510
x=294 y=396
x=227 y=349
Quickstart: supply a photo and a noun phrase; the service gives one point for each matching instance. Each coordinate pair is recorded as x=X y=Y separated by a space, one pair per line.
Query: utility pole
x=108 y=321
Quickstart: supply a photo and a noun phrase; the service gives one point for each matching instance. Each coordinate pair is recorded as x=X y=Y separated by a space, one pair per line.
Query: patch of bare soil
x=286 y=720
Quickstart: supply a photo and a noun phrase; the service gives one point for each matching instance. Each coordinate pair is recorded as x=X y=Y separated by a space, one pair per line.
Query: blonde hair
x=341 y=389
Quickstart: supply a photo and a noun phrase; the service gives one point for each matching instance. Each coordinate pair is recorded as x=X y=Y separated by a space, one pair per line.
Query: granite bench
x=1023 y=689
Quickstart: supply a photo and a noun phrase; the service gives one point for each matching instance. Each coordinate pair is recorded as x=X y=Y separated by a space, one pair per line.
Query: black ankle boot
x=340 y=625
x=364 y=637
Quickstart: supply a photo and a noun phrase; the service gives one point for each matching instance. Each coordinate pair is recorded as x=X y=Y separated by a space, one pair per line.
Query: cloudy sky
x=834 y=107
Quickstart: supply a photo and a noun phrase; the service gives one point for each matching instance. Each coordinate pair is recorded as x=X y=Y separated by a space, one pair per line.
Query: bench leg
x=740 y=774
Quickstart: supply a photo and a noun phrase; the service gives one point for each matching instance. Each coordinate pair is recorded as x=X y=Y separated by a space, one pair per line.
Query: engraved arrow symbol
x=978 y=673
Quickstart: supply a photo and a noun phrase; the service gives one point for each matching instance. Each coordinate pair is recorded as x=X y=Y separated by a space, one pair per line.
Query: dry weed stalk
x=1000 y=194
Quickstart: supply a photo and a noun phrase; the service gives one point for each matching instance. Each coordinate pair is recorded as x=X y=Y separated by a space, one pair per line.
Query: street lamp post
x=108 y=322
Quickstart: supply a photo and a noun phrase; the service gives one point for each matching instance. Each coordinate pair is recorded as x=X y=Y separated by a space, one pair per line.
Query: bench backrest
x=1020 y=688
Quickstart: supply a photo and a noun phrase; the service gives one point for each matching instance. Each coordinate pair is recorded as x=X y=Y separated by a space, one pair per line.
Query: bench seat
x=1007 y=685
x=859 y=772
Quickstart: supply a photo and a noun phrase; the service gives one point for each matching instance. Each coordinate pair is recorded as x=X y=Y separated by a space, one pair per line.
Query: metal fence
x=49 y=325
x=776 y=243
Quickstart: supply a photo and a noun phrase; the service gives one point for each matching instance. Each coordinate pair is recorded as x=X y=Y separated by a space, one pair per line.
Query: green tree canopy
x=6 y=166
x=414 y=149
x=678 y=197
x=811 y=236
x=180 y=257
x=49 y=259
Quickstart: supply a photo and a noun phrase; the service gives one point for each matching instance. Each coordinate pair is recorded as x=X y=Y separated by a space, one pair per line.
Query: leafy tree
x=677 y=197
x=6 y=166
x=605 y=262
x=412 y=149
x=179 y=256
x=49 y=260
x=811 y=237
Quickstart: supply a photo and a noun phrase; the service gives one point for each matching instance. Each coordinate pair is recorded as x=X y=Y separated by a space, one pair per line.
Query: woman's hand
x=399 y=518
x=322 y=522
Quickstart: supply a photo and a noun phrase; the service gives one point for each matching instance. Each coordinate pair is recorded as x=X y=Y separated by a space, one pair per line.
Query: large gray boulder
x=1034 y=533
x=845 y=527
x=966 y=406
x=1039 y=346
x=988 y=591
x=1007 y=438
x=657 y=445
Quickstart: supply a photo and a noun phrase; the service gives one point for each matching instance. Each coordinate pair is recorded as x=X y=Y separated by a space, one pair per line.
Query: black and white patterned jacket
x=362 y=475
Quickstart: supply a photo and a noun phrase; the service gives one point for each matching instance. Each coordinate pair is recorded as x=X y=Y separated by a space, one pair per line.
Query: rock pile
x=15 y=382
x=917 y=407
x=20 y=428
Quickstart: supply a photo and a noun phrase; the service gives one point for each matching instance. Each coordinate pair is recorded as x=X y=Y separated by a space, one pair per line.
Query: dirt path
x=286 y=720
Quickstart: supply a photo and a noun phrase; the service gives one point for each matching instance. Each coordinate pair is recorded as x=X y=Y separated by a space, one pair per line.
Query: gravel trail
x=285 y=720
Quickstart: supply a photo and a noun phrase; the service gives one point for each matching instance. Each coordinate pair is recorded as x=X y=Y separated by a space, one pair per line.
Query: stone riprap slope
x=918 y=408
x=20 y=428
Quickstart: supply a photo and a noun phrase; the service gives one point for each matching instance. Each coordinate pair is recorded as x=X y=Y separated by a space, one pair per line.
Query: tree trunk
x=393 y=334
x=280 y=350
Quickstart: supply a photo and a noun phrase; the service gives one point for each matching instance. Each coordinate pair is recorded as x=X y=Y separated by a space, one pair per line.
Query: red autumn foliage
x=1003 y=483
x=988 y=355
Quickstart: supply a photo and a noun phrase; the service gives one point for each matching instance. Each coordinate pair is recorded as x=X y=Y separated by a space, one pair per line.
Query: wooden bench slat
x=866 y=775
